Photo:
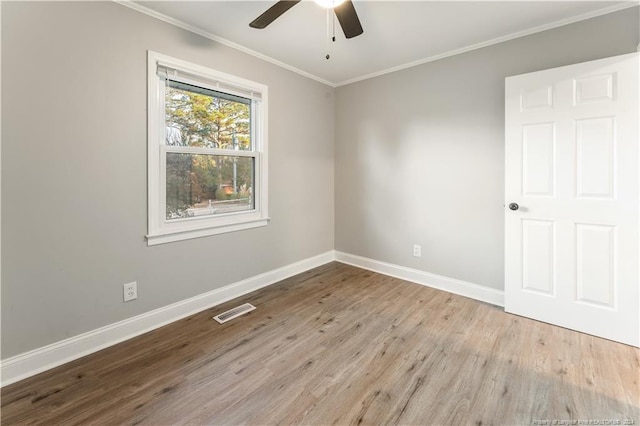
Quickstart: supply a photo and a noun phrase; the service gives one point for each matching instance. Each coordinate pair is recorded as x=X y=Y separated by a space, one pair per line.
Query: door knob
x=514 y=206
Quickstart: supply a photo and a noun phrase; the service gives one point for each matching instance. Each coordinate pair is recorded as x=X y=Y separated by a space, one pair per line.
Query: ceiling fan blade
x=348 y=19
x=273 y=13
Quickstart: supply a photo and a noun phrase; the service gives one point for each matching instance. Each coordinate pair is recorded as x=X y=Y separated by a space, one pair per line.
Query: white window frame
x=161 y=230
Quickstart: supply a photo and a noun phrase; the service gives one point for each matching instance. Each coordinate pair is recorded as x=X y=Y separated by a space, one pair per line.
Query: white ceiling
x=397 y=34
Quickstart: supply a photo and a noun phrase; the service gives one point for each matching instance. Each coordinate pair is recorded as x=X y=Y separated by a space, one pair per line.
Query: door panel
x=596 y=264
x=535 y=98
x=594 y=89
x=538 y=177
x=595 y=157
x=572 y=253
x=538 y=256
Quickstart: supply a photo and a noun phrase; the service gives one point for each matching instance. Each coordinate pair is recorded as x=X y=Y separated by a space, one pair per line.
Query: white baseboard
x=463 y=288
x=38 y=360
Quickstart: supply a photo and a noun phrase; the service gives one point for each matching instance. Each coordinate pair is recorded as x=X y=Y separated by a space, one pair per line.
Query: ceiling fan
x=345 y=12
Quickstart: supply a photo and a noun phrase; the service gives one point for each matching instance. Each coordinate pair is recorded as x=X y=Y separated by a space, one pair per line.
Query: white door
x=572 y=197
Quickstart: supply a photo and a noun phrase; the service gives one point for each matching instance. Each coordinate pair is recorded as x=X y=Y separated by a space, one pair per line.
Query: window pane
x=205 y=118
x=208 y=185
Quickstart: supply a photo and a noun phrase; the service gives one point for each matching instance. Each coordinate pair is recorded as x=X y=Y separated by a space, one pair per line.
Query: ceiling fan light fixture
x=329 y=4
x=343 y=9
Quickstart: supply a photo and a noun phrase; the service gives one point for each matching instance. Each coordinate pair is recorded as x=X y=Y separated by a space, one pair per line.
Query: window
x=207 y=145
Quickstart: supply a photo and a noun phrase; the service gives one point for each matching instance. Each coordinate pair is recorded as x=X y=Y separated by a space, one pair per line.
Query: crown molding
x=181 y=24
x=178 y=23
x=498 y=40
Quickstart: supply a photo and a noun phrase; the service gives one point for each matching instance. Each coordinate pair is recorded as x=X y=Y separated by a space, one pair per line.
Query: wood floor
x=340 y=345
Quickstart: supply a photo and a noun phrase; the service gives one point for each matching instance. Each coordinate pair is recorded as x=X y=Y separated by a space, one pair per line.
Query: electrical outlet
x=130 y=291
x=417 y=250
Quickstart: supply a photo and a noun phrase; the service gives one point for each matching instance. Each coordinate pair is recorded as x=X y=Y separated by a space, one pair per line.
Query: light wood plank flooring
x=341 y=345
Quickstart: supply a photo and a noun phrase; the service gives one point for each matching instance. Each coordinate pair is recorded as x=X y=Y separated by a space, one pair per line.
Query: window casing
x=207 y=151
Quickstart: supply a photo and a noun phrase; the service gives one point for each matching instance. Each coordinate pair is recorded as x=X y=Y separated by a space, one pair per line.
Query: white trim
x=178 y=23
x=209 y=151
x=160 y=230
x=174 y=236
x=38 y=360
x=203 y=76
x=512 y=36
x=451 y=285
x=0 y=181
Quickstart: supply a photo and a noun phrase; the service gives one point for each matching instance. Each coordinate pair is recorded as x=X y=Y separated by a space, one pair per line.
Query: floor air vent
x=234 y=313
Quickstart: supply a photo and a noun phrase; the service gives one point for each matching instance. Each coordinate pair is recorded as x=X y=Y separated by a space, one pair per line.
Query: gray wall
x=420 y=152
x=418 y=159
x=74 y=176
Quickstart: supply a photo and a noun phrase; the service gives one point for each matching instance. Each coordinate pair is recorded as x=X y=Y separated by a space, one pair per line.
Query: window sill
x=155 y=239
